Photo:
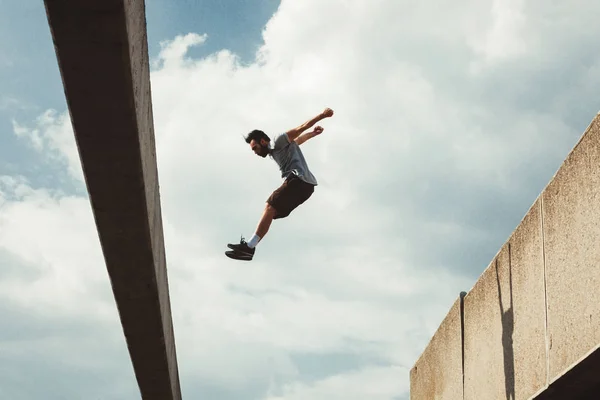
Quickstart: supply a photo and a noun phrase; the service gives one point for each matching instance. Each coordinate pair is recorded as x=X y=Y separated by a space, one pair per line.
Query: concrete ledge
x=526 y=263
x=438 y=372
x=579 y=382
x=505 y=349
x=102 y=54
x=571 y=207
x=532 y=320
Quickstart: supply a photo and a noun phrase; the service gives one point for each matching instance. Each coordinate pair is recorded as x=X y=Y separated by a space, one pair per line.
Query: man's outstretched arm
x=294 y=133
x=308 y=135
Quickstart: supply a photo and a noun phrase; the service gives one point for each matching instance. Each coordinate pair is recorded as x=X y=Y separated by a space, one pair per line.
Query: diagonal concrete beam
x=101 y=48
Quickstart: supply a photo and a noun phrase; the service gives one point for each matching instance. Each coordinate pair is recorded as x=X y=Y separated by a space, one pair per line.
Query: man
x=298 y=185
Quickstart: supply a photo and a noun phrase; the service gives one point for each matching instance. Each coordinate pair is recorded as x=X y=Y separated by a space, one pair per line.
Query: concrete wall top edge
x=504 y=322
x=571 y=230
x=438 y=371
x=518 y=235
x=449 y=315
x=538 y=199
x=570 y=154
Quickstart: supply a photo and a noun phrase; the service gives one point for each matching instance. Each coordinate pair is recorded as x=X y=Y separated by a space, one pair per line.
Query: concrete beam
x=102 y=54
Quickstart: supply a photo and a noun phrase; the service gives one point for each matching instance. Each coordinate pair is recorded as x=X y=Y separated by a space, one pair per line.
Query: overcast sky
x=450 y=118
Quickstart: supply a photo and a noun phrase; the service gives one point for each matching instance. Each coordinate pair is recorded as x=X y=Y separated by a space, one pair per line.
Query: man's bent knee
x=269 y=209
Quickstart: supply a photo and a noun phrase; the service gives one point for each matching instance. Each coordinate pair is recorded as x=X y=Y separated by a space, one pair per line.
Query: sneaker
x=242 y=248
x=238 y=256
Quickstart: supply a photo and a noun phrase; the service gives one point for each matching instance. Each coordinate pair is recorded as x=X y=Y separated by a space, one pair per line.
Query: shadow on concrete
x=508 y=325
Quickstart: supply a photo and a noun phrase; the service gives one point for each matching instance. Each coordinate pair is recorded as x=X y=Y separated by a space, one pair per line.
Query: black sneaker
x=238 y=256
x=242 y=248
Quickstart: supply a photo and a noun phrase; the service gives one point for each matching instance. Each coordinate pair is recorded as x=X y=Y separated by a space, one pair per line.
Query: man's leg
x=263 y=225
x=276 y=201
x=293 y=194
x=280 y=204
x=245 y=250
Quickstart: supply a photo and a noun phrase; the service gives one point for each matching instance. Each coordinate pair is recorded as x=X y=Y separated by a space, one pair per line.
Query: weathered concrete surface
x=488 y=350
x=532 y=320
x=571 y=207
x=437 y=374
x=526 y=263
x=102 y=54
x=504 y=313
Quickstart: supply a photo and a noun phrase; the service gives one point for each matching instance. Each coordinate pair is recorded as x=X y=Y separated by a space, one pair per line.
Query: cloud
x=61 y=334
x=44 y=355
x=371 y=383
x=449 y=121
x=505 y=38
x=53 y=235
x=52 y=136
x=11 y=103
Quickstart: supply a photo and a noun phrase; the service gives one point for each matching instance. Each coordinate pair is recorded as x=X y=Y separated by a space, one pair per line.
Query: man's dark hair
x=257 y=135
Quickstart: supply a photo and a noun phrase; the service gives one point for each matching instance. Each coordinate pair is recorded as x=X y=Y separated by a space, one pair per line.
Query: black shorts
x=292 y=192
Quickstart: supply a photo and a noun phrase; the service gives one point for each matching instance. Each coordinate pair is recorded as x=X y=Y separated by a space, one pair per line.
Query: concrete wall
x=504 y=314
x=437 y=374
x=531 y=323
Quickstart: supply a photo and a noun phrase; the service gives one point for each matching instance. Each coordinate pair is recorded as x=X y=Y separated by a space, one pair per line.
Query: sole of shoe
x=238 y=256
x=234 y=248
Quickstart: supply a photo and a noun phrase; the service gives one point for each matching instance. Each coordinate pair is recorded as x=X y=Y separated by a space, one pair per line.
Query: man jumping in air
x=298 y=185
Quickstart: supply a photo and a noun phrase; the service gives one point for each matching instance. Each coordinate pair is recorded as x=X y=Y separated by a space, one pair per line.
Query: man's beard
x=264 y=151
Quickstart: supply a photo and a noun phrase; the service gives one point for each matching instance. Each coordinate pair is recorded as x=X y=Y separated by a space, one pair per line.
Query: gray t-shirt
x=289 y=157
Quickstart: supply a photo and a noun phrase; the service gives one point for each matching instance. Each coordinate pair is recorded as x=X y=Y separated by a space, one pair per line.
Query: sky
x=450 y=119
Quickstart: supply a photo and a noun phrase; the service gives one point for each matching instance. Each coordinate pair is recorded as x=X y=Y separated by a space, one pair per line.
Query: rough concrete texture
x=437 y=374
x=526 y=283
x=488 y=351
x=571 y=209
x=102 y=54
x=532 y=321
x=504 y=313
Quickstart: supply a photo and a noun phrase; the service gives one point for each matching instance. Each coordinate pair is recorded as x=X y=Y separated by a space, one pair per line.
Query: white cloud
x=424 y=170
x=504 y=38
x=370 y=383
x=54 y=233
x=172 y=52
x=52 y=136
x=11 y=103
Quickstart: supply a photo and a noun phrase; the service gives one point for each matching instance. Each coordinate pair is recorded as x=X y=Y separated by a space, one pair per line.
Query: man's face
x=259 y=148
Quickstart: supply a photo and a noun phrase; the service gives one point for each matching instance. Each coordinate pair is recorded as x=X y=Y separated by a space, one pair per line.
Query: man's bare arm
x=294 y=133
x=308 y=135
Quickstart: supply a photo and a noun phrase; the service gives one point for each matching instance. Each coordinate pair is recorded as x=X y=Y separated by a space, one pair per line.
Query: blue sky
x=29 y=73
x=449 y=121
